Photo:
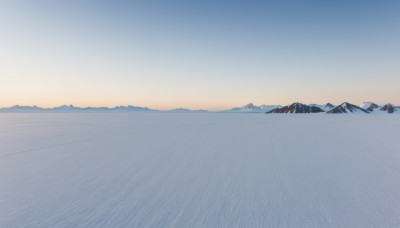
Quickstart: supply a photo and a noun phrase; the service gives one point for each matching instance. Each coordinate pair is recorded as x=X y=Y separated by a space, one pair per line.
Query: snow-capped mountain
x=297 y=108
x=347 y=108
x=253 y=108
x=369 y=106
x=389 y=108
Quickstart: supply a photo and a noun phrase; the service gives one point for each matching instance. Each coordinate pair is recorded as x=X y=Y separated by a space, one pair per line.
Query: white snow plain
x=199 y=170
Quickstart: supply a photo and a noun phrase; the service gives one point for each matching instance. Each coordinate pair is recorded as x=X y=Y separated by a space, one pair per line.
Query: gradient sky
x=198 y=54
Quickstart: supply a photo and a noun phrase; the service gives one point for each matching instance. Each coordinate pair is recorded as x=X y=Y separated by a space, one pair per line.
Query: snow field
x=199 y=170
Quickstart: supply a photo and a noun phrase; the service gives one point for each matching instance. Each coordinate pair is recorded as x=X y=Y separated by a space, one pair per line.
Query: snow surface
x=199 y=170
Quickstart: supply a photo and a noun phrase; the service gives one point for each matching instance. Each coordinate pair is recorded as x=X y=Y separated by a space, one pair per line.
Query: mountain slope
x=328 y=106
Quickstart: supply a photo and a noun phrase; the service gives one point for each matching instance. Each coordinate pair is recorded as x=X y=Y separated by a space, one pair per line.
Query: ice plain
x=199 y=170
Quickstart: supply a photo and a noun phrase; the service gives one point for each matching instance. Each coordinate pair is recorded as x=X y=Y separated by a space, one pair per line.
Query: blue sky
x=198 y=54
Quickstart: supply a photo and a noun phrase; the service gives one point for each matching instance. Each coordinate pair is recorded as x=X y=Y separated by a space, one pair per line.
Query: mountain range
x=366 y=107
x=344 y=108
x=71 y=108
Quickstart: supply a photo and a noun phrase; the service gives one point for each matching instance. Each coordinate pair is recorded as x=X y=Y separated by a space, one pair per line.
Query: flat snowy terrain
x=199 y=170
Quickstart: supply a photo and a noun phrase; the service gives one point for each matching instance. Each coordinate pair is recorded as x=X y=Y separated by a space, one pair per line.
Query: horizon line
x=171 y=109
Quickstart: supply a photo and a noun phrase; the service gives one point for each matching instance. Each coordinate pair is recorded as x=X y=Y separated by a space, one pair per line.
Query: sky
x=198 y=54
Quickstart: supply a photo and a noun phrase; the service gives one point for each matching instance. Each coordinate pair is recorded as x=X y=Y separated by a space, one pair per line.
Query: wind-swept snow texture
x=199 y=170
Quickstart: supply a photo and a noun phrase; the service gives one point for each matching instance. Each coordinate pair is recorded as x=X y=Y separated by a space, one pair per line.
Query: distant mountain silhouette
x=183 y=110
x=71 y=108
x=253 y=108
